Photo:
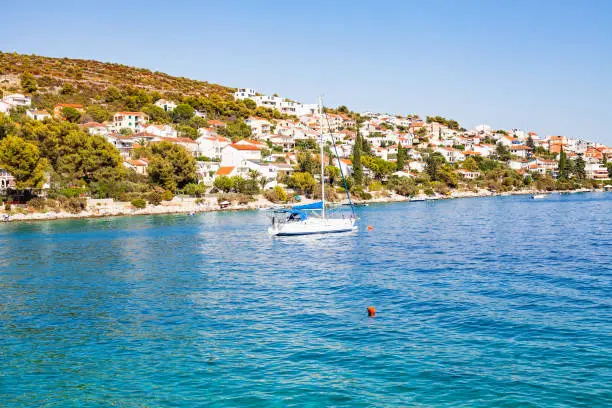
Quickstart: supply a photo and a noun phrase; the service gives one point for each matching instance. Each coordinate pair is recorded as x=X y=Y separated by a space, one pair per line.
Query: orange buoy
x=371 y=311
x=370 y=228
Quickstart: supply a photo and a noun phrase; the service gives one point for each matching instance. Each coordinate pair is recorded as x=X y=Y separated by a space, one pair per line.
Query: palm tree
x=254 y=174
x=263 y=181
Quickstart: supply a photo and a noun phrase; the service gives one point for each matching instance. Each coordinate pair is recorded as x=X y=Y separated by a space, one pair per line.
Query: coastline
x=101 y=208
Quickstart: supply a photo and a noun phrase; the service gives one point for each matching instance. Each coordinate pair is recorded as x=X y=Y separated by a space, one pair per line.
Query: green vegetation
x=139 y=203
x=22 y=159
x=451 y=124
x=276 y=195
x=170 y=166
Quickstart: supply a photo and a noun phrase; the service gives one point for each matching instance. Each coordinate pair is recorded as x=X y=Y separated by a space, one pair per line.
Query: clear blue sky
x=537 y=65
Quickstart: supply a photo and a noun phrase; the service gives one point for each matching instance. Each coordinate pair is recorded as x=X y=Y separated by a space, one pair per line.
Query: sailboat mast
x=321 y=154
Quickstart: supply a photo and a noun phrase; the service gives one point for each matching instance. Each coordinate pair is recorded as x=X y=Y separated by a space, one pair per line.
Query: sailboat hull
x=313 y=226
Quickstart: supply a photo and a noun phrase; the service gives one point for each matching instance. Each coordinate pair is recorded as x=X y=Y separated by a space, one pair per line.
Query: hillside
x=104 y=88
x=54 y=72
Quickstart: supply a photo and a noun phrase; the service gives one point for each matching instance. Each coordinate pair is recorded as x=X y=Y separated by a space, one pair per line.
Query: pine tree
x=431 y=167
x=28 y=82
x=401 y=157
x=579 y=170
x=357 y=166
x=563 y=167
x=530 y=142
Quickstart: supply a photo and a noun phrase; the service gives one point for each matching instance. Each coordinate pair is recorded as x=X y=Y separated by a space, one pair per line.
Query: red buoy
x=371 y=311
x=370 y=228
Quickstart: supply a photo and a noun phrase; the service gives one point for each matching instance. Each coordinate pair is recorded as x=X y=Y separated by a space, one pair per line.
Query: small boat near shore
x=538 y=196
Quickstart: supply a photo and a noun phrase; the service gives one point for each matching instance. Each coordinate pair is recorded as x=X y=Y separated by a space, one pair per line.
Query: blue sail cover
x=312 y=206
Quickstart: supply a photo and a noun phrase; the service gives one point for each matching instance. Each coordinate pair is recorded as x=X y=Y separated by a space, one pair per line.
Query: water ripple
x=482 y=302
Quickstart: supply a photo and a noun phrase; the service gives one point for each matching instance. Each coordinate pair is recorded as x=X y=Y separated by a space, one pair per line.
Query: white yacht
x=314 y=218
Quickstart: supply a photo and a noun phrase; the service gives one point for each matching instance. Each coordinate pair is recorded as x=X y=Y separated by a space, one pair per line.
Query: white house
x=346 y=165
x=450 y=154
x=520 y=150
x=160 y=130
x=212 y=146
x=139 y=166
x=469 y=175
x=95 y=128
x=4 y=107
x=130 y=120
x=267 y=170
x=596 y=171
x=234 y=154
x=189 y=144
x=260 y=127
x=166 y=105
x=244 y=93
x=416 y=166
x=124 y=144
x=518 y=164
x=287 y=143
x=484 y=149
x=17 y=100
x=252 y=142
x=6 y=180
x=206 y=171
x=38 y=114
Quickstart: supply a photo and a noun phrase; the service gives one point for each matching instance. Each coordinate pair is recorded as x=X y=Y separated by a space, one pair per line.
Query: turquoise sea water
x=496 y=302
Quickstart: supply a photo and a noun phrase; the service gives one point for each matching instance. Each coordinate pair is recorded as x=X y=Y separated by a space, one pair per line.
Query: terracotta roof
x=253 y=142
x=244 y=147
x=138 y=162
x=131 y=113
x=217 y=138
x=178 y=140
x=143 y=134
x=224 y=171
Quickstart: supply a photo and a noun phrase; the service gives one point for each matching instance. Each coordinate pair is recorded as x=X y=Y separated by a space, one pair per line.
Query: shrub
x=139 y=203
x=7 y=206
x=429 y=192
x=194 y=189
x=167 y=195
x=276 y=195
x=360 y=193
x=375 y=186
x=52 y=205
x=403 y=186
x=154 y=197
x=72 y=205
x=37 y=204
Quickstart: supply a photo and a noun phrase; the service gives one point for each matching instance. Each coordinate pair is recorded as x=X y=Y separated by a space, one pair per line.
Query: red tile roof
x=131 y=113
x=245 y=147
x=224 y=171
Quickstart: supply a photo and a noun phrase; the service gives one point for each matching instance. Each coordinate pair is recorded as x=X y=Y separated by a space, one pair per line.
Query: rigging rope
x=348 y=194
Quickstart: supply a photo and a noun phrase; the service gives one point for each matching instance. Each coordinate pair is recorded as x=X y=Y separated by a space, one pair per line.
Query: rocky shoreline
x=100 y=208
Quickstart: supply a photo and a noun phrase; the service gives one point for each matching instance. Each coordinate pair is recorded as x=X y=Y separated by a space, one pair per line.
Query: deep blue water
x=500 y=302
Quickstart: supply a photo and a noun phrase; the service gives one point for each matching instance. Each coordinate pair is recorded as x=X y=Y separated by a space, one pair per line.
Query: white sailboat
x=538 y=196
x=312 y=218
